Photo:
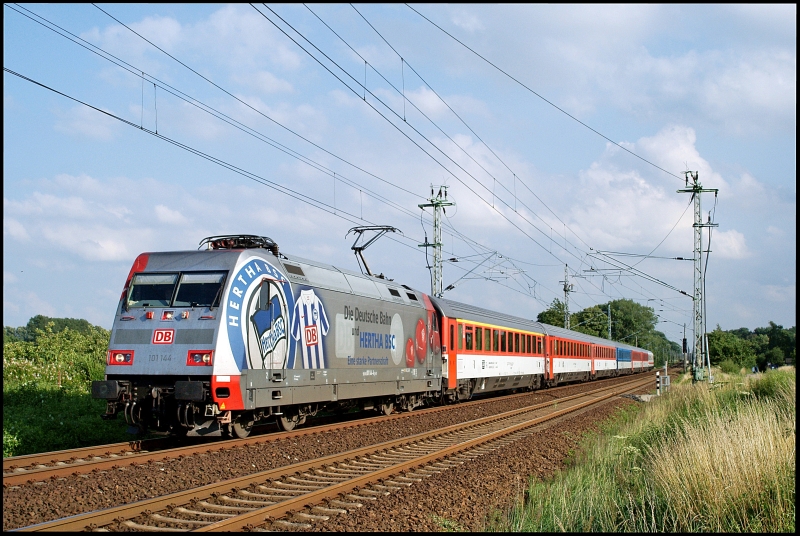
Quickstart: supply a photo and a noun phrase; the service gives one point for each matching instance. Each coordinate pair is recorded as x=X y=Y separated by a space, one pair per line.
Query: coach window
x=516 y=342
x=478 y=338
x=468 y=338
x=502 y=341
x=487 y=339
x=540 y=344
x=460 y=336
x=452 y=337
x=496 y=336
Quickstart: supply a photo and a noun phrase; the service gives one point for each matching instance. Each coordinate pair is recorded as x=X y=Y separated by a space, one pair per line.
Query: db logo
x=163 y=336
x=311 y=335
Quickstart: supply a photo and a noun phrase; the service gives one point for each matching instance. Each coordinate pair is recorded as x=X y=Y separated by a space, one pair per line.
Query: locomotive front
x=162 y=348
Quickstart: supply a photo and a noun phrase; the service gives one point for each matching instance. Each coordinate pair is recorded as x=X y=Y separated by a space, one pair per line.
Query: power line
x=255 y=109
x=207 y=156
x=469 y=128
x=252 y=176
x=441 y=99
x=541 y=97
x=397 y=128
x=391 y=123
x=214 y=112
x=200 y=105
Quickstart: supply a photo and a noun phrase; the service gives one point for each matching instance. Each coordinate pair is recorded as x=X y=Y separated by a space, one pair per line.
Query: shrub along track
x=333 y=475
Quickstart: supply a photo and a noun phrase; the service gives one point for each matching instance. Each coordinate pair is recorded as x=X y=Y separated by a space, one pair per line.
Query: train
x=213 y=341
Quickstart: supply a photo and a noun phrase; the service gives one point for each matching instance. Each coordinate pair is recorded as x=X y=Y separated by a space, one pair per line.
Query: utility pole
x=438 y=202
x=567 y=289
x=609 y=320
x=698 y=307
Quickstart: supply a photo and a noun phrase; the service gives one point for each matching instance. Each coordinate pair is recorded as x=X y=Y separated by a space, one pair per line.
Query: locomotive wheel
x=287 y=423
x=386 y=408
x=241 y=427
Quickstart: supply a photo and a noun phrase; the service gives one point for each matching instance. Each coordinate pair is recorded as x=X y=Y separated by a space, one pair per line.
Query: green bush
x=47 y=403
x=772 y=384
x=729 y=367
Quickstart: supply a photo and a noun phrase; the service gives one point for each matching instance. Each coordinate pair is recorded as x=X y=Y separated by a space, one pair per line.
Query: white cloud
x=82 y=121
x=775 y=231
x=166 y=215
x=14 y=229
x=729 y=244
x=778 y=293
x=8 y=277
x=467 y=21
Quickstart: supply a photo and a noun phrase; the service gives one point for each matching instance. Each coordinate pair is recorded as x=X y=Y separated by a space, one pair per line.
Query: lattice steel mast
x=700 y=358
x=438 y=202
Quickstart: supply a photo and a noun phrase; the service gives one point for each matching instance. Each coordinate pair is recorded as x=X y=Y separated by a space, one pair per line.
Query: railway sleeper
x=246 y=493
x=234 y=500
x=383 y=487
x=311 y=517
x=312 y=482
x=288 y=493
x=186 y=511
x=224 y=508
x=373 y=492
x=346 y=504
x=360 y=497
x=329 y=511
x=165 y=519
x=291 y=524
x=150 y=528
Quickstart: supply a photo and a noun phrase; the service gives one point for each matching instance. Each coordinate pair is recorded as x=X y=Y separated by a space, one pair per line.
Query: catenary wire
x=541 y=97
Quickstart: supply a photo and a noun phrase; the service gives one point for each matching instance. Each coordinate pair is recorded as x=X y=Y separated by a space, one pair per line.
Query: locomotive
x=210 y=342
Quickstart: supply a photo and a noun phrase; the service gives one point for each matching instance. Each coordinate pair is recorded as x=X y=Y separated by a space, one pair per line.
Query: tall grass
x=710 y=459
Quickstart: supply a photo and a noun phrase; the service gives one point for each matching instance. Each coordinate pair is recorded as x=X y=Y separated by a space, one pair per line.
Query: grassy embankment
x=42 y=413
x=702 y=459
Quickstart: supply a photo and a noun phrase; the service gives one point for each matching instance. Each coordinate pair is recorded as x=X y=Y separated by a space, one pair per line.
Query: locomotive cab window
x=152 y=290
x=199 y=290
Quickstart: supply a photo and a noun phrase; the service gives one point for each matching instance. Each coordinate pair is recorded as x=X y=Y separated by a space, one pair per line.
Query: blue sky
x=707 y=88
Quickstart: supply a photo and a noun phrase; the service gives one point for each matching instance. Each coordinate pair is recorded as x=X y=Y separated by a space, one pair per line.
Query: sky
x=562 y=134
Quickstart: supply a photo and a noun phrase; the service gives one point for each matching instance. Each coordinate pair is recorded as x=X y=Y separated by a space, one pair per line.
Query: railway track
x=295 y=496
x=18 y=470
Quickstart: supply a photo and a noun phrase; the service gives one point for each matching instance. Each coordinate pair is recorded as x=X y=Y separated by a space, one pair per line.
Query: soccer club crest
x=269 y=327
x=259 y=303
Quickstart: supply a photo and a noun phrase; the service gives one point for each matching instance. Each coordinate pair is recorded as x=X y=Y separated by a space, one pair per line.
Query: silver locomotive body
x=209 y=342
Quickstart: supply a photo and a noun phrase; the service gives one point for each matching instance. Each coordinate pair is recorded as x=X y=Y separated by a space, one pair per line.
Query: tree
x=554 y=315
x=592 y=321
x=725 y=346
x=38 y=324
